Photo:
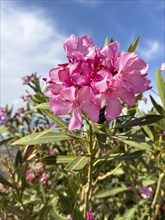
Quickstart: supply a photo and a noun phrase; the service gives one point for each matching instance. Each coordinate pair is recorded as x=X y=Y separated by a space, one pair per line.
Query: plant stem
x=88 y=188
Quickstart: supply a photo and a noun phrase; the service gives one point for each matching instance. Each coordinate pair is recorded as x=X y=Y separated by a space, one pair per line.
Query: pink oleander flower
x=90 y=216
x=145 y=192
x=26 y=97
x=38 y=167
x=26 y=80
x=20 y=111
x=30 y=176
x=95 y=78
x=162 y=67
x=3 y=116
x=53 y=151
x=44 y=178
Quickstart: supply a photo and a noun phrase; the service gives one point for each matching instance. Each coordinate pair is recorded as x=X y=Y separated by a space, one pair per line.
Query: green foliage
x=100 y=168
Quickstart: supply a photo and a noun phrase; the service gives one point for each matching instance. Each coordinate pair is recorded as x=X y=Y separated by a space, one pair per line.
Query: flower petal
x=68 y=94
x=76 y=119
x=113 y=109
x=60 y=107
x=92 y=110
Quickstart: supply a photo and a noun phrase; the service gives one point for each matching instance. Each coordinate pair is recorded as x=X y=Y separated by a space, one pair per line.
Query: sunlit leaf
x=132 y=47
x=77 y=164
x=46 y=138
x=160 y=86
x=110 y=192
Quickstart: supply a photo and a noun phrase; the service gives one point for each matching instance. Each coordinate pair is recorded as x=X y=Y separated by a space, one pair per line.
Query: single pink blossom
x=44 y=178
x=3 y=116
x=69 y=217
x=26 y=80
x=53 y=151
x=71 y=101
x=38 y=167
x=30 y=176
x=26 y=97
x=90 y=216
x=145 y=192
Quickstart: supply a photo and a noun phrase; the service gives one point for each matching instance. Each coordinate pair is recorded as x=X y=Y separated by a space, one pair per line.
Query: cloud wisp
x=151 y=51
x=30 y=42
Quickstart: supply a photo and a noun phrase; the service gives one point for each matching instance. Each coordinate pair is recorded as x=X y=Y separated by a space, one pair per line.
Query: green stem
x=88 y=188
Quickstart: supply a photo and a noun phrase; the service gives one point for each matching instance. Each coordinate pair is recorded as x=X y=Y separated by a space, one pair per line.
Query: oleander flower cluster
x=95 y=78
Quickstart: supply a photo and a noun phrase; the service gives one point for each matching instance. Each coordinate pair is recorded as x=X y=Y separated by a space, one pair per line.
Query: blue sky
x=33 y=32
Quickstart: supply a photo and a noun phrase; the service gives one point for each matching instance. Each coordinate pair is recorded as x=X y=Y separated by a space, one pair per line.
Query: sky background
x=33 y=32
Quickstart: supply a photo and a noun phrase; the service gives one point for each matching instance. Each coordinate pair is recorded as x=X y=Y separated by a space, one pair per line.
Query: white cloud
x=30 y=42
x=151 y=51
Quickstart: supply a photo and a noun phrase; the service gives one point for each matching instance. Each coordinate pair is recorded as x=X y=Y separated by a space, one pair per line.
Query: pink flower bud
x=44 y=178
x=90 y=216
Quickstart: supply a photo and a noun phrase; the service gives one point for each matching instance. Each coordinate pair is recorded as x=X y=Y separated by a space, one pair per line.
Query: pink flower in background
x=69 y=217
x=162 y=67
x=95 y=78
x=30 y=176
x=3 y=116
x=44 y=178
x=38 y=167
x=26 y=80
x=53 y=151
x=26 y=97
x=145 y=192
x=90 y=216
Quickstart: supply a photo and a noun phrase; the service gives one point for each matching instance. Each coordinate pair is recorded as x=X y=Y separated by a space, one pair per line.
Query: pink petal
x=76 y=119
x=60 y=107
x=84 y=43
x=113 y=109
x=85 y=93
x=53 y=74
x=64 y=77
x=68 y=94
x=110 y=51
x=138 y=82
x=70 y=45
x=92 y=110
x=126 y=96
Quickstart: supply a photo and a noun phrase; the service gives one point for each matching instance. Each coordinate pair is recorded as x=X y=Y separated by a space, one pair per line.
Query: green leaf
x=46 y=138
x=44 y=105
x=141 y=146
x=44 y=211
x=55 y=118
x=77 y=215
x=145 y=120
x=106 y=42
x=148 y=182
x=160 y=86
x=128 y=215
x=56 y=215
x=129 y=156
x=132 y=47
x=157 y=106
x=4 y=181
x=18 y=159
x=110 y=192
x=77 y=164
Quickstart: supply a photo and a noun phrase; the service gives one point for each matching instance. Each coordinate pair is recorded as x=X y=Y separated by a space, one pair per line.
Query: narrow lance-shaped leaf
x=106 y=42
x=4 y=181
x=132 y=47
x=110 y=192
x=145 y=120
x=77 y=164
x=160 y=86
x=46 y=138
x=157 y=106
